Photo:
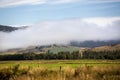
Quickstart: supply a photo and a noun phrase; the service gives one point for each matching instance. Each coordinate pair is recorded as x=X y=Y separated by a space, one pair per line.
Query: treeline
x=46 y=56
x=87 y=54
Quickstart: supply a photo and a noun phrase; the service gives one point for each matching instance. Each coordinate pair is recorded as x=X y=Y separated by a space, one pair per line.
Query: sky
x=58 y=21
x=27 y=12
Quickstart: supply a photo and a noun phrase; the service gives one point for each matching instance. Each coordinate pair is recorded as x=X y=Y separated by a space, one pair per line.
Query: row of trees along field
x=87 y=54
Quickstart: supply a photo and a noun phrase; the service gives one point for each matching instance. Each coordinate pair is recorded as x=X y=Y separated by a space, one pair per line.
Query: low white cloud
x=62 y=32
x=9 y=3
x=102 y=22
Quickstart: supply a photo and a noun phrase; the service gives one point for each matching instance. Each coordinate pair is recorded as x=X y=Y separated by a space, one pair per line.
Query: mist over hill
x=5 y=28
x=92 y=44
x=90 y=32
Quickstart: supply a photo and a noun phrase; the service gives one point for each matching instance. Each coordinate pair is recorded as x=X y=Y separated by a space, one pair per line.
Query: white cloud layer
x=62 y=32
x=8 y=3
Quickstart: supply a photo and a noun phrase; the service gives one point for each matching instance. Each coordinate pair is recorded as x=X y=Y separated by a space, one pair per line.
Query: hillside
x=62 y=52
x=5 y=28
x=42 y=49
x=56 y=49
x=93 y=44
x=60 y=48
x=102 y=52
x=107 y=48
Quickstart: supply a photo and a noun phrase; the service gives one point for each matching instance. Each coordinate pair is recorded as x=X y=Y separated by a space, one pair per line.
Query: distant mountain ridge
x=92 y=44
x=5 y=28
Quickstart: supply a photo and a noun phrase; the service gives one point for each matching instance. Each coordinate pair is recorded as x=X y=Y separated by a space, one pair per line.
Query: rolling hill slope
x=107 y=48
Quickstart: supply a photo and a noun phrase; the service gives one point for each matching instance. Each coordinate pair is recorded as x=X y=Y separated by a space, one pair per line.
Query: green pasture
x=50 y=64
x=57 y=49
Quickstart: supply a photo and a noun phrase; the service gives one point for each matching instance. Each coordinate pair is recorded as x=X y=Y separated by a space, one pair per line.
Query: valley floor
x=60 y=70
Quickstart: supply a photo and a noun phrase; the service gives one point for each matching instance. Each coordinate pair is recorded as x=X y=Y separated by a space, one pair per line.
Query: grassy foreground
x=60 y=70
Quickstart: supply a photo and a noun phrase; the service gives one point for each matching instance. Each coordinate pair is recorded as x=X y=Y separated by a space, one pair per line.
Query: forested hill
x=93 y=44
x=5 y=28
x=103 y=52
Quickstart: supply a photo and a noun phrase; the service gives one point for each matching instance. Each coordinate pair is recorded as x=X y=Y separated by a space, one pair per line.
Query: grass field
x=69 y=70
x=57 y=63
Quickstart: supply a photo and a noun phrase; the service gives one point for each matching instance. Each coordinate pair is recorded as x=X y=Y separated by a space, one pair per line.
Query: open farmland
x=57 y=63
x=57 y=49
x=60 y=70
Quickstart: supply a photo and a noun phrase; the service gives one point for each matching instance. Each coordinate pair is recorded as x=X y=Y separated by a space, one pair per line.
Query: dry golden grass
x=65 y=73
x=107 y=48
